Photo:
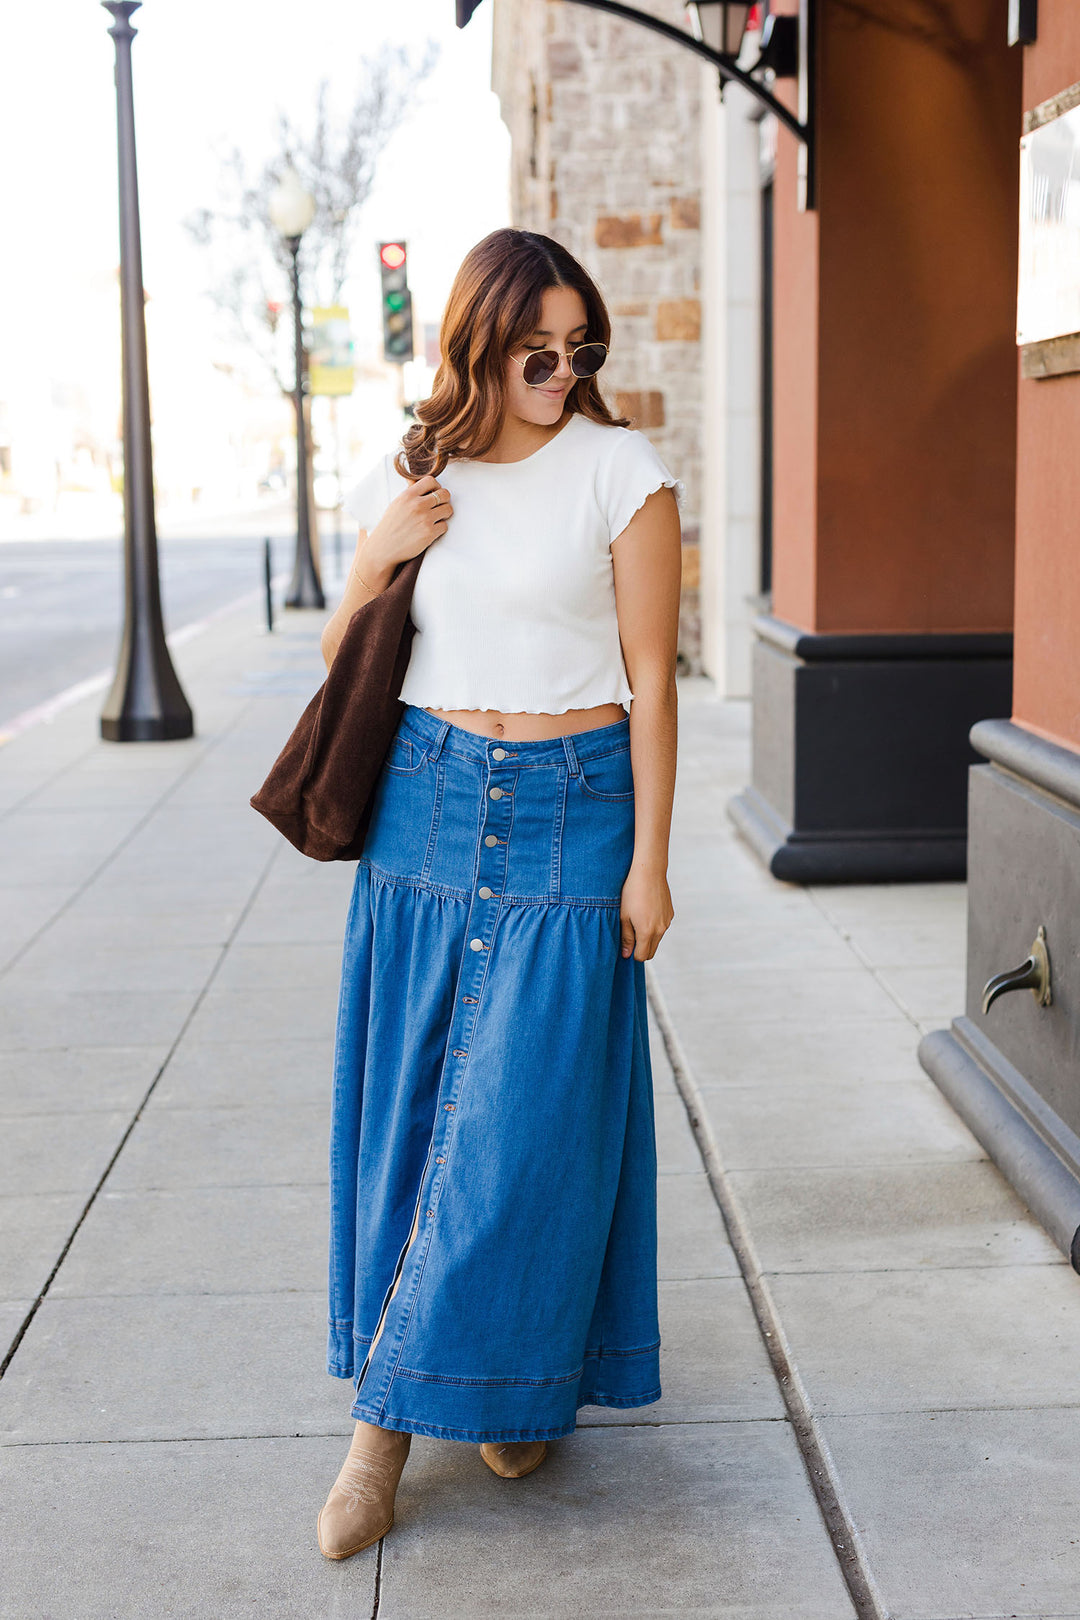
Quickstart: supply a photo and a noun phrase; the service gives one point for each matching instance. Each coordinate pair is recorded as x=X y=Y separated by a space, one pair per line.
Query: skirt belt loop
x=571 y=756
x=436 y=747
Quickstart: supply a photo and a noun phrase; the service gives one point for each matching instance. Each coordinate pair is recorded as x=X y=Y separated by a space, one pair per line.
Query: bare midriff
x=531 y=727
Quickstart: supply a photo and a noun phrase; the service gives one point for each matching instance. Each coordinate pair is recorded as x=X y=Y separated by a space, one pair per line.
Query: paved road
x=61 y=601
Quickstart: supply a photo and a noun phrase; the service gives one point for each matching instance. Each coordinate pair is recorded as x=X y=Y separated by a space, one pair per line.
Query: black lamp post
x=146 y=702
x=292 y=209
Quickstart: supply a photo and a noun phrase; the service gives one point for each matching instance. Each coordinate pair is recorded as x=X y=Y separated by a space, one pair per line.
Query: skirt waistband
x=440 y=736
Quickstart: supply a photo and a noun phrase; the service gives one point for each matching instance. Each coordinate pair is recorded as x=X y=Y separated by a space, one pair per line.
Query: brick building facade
x=604 y=120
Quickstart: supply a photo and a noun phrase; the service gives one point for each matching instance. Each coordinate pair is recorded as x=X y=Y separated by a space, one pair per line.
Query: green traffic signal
x=396 y=303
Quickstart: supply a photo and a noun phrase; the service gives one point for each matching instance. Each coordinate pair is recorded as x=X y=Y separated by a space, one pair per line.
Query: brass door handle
x=1033 y=975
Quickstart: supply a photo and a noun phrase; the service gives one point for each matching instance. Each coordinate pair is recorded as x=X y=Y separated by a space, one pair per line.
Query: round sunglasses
x=540 y=366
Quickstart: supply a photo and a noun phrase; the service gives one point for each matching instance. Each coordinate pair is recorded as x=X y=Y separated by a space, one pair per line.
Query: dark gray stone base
x=1013 y=1073
x=860 y=751
x=801 y=857
x=985 y=1090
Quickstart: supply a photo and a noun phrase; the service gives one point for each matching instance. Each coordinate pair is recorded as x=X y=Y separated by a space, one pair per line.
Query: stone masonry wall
x=604 y=119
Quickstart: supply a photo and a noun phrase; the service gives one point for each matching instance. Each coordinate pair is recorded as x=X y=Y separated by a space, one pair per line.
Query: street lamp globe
x=292 y=208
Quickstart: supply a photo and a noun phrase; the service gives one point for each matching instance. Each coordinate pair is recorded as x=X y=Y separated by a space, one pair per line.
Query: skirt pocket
x=406 y=755
x=609 y=777
x=405 y=811
x=597 y=842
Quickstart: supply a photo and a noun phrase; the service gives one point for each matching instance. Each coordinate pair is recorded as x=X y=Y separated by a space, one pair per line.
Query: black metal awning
x=800 y=123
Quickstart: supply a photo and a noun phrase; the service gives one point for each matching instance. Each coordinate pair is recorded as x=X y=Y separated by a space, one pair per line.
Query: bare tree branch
x=247 y=260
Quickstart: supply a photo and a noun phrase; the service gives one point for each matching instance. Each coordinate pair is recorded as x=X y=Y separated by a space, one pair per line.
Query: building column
x=1013 y=1071
x=894 y=449
x=731 y=343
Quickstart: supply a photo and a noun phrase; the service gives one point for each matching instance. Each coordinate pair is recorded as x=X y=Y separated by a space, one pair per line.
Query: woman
x=492 y=1156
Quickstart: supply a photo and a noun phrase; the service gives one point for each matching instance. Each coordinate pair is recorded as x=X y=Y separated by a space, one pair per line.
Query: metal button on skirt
x=492 y=1150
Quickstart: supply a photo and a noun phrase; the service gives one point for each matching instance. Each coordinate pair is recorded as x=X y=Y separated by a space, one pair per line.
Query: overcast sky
x=204 y=72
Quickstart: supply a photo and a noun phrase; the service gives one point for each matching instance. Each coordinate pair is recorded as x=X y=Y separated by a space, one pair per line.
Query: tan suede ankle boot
x=515 y=1458
x=360 y=1507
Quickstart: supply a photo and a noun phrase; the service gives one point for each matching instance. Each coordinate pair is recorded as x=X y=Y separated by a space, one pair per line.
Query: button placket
x=491 y=872
x=479 y=934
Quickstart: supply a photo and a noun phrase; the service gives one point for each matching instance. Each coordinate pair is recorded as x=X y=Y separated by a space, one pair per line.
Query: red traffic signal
x=397 y=311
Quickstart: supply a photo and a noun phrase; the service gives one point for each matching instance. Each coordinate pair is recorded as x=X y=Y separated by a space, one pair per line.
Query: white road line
x=42 y=713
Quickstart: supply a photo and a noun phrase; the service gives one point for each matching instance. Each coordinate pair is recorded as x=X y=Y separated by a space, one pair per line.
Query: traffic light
x=396 y=303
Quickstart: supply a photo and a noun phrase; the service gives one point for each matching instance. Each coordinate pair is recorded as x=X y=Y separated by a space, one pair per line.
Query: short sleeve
x=368 y=500
x=629 y=475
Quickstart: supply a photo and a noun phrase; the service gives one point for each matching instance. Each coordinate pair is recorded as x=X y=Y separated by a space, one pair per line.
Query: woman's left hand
x=645 y=912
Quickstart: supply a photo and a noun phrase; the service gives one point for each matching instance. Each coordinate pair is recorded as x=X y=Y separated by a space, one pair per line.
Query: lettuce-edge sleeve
x=368 y=500
x=631 y=473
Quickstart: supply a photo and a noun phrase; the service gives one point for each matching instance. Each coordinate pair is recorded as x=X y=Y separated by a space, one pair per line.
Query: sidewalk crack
x=824 y=1481
x=135 y=1118
x=378 y=1580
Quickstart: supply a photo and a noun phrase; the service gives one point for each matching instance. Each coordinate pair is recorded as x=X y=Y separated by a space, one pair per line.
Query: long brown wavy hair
x=494 y=305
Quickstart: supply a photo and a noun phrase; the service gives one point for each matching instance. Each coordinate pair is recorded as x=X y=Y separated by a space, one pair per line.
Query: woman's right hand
x=413 y=519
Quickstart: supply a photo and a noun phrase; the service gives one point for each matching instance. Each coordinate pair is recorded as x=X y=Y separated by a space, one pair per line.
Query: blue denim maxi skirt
x=492 y=1149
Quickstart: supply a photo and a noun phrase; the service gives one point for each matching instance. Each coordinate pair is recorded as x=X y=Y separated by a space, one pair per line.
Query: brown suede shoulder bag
x=320 y=787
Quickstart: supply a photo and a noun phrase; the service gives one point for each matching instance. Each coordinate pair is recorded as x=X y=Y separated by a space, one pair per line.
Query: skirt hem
x=436 y=1431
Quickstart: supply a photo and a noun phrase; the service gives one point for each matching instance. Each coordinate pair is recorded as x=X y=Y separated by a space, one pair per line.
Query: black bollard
x=268 y=570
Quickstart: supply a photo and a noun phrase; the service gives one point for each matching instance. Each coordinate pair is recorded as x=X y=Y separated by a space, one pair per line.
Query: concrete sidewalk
x=889 y=1323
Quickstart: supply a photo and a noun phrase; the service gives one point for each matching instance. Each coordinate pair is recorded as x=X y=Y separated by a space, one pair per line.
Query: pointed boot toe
x=360 y=1507
x=513 y=1459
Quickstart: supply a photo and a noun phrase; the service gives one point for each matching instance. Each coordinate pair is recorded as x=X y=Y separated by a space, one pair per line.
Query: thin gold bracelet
x=364 y=582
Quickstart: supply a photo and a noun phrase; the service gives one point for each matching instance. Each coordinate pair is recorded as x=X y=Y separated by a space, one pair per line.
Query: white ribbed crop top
x=514 y=606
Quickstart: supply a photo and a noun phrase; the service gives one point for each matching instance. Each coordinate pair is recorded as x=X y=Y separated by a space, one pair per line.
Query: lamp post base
x=163 y=728
x=305 y=591
x=306 y=595
x=147 y=702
